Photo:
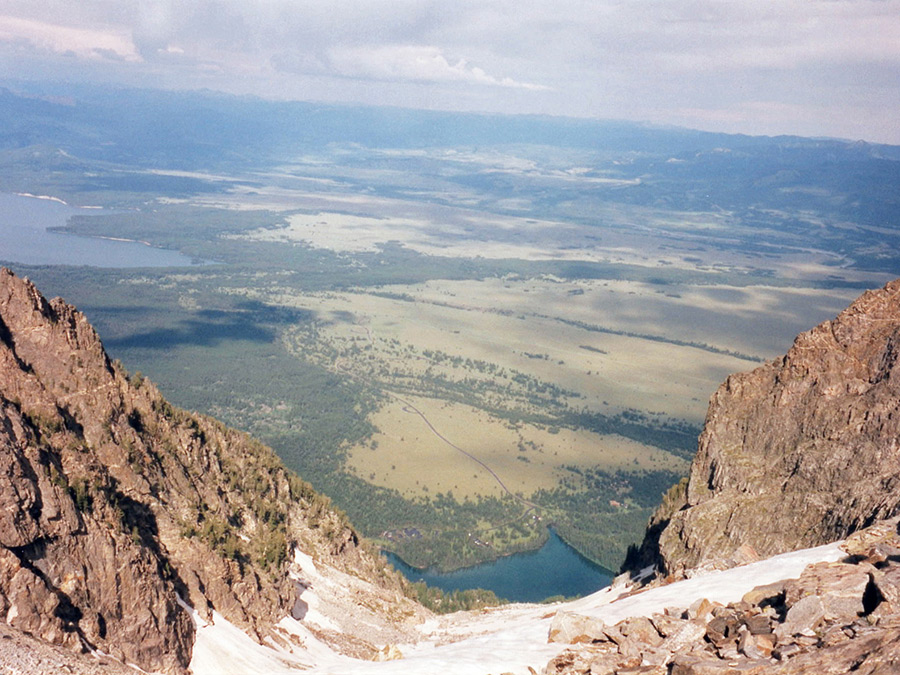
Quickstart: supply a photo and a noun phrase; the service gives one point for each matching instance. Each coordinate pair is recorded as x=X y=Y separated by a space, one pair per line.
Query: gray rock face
x=80 y=555
x=799 y=452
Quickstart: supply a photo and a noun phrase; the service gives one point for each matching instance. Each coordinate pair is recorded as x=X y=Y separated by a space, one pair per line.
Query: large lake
x=24 y=239
x=554 y=569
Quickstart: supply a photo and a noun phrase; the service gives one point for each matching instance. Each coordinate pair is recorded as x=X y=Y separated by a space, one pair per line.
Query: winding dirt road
x=412 y=409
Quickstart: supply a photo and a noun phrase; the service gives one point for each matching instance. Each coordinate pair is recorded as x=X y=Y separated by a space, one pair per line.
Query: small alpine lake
x=554 y=569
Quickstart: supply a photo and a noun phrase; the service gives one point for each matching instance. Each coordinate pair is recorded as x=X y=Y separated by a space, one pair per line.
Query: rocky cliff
x=117 y=509
x=799 y=452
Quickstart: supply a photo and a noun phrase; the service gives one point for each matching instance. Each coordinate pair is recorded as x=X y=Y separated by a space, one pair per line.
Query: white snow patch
x=305 y=563
x=221 y=648
x=725 y=586
x=306 y=607
x=509 y=639
x=314 y=647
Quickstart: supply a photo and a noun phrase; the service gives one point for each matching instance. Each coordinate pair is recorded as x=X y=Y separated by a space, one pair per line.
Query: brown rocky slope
x=837 y=617
x=115 y=506
x=799 y=452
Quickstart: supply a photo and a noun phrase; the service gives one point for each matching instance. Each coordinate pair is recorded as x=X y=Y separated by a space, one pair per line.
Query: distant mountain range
x=148 y=126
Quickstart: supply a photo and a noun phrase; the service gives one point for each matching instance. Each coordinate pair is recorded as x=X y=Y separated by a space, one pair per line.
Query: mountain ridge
x=119 y=509
x=806 y=443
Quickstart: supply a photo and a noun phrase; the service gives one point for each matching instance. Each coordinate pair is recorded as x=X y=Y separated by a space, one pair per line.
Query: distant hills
x=186 y=129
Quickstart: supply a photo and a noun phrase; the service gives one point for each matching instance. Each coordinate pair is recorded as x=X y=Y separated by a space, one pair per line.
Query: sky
x=806 y=67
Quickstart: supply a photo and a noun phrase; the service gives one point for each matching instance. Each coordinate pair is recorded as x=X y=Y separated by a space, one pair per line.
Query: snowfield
x=509 y=639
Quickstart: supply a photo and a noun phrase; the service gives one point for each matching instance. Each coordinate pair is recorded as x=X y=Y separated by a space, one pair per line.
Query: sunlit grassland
x=580 y=390
x=565 y=334
x=478 y=357
x=407 y=455
x=557 y=301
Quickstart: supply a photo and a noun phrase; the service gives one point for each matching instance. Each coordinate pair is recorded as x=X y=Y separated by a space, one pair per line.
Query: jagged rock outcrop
x=115 y=506
x=799 y=452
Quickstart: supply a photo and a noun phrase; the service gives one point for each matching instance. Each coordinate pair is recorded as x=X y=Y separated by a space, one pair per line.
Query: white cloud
x=414 y=63
x=643 y=59
x=82 y=42
x=781 y=36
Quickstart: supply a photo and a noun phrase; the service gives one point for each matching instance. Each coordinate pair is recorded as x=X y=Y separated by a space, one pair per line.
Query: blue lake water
x=24 y=239
x=554 y=569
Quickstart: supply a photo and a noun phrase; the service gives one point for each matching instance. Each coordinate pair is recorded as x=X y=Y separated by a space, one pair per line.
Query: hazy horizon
x=826 y=68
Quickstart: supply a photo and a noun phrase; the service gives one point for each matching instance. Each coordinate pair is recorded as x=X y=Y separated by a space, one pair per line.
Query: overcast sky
x=809 y=67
